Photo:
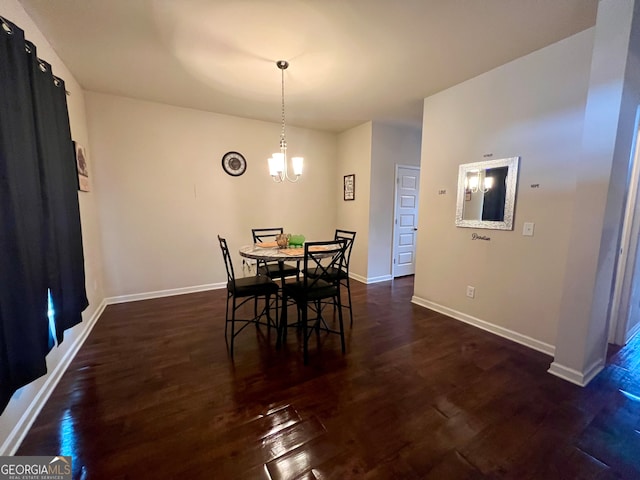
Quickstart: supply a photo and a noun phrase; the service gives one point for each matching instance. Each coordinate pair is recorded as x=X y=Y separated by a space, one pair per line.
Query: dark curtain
x=24 y=332
x=40 y=237
x=493 y=207
x=59 y=181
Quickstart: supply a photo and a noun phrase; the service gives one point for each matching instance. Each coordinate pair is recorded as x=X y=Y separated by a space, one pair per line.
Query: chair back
x=266 y=234
x=227 y=262
x=349 y=237
x=323 y=258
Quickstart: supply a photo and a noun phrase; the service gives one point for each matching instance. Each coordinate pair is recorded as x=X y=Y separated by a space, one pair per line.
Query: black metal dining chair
x=315 y=293
x=272 y=269
x=343 y=272
x=246 y=289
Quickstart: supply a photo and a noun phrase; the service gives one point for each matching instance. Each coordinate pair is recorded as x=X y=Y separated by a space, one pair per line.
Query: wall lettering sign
x=475 y=236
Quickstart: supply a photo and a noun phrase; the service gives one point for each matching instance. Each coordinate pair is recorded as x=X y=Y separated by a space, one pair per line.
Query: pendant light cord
x=283 y=141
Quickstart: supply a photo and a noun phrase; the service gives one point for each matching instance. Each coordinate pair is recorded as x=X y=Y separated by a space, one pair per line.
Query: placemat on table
x=293 y=251
x=267 y=244
x=300 y=251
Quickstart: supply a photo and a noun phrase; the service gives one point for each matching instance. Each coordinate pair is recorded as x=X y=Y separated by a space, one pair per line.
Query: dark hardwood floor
x=153 y=394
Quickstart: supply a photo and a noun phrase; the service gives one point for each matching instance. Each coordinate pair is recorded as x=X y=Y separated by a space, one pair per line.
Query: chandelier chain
x=283 y=141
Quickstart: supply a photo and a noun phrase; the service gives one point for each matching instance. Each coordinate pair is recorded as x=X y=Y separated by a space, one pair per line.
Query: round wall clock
x=234 y=163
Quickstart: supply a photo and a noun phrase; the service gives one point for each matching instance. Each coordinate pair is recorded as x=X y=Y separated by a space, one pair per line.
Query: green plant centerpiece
x=296 y=240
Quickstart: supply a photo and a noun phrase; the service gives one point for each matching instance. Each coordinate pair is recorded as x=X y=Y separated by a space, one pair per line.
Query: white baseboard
x=382 y=278
x=164 y=293
x=489 y=327
x=368 y=280
x=357 y=277
x=22 y=426
x=574 y=376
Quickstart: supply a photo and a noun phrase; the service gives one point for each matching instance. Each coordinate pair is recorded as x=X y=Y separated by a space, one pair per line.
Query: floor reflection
x=67 y=436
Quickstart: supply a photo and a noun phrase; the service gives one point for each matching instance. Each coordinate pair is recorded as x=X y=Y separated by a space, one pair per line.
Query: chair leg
x=341 y=323
x=268 y=311
x=226 y=318
x=282 y=324
x=349 y=297
x=255 y=309
x=319 y=316
x=266 y=306
x=233 y=326
x=275 y=323
x=305 y=337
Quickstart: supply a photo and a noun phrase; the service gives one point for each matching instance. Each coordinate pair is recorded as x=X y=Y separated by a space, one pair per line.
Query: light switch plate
x=527 y=229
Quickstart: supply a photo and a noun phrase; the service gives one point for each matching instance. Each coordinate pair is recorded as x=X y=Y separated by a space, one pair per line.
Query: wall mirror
x=487 y=194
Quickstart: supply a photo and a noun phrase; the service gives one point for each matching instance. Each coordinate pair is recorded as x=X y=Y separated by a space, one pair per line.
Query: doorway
x=405 y=224
x=624 y=319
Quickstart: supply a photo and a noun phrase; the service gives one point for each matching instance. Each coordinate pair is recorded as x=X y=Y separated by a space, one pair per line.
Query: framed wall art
x=81 y=167
x=350 y=187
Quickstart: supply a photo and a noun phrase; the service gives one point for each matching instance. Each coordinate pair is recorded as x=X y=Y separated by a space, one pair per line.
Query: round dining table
x=270 y=253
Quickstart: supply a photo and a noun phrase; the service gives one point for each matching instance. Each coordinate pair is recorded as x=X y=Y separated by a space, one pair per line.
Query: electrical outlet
x=471 y=291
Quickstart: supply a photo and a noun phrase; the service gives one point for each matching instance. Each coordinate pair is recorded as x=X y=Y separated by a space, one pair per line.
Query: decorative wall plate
x=234 y=163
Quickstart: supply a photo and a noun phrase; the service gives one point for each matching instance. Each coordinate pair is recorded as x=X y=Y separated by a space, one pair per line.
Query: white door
x=406 y=220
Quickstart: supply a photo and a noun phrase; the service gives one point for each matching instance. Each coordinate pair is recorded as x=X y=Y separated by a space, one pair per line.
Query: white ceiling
x=351 y=60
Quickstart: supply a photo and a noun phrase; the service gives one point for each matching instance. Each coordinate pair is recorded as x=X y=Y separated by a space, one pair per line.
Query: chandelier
x=278 y=164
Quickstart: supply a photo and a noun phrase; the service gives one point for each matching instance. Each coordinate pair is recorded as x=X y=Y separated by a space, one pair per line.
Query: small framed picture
x=350 y=187
x=81 y=167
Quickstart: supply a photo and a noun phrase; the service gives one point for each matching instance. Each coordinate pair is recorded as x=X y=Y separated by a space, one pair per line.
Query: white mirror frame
x=510 y=198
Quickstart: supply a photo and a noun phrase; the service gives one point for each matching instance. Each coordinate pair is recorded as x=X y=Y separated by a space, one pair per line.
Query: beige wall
x=602 y=176
x=354 y=156
x=371 y=151
x=164 y=197
x=532 y=107
x=18 y=410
